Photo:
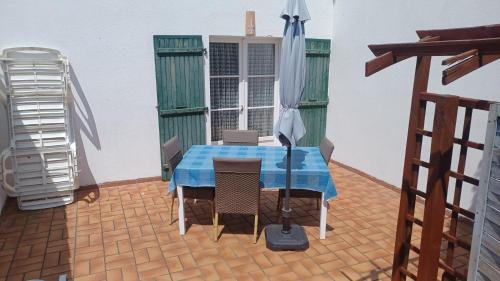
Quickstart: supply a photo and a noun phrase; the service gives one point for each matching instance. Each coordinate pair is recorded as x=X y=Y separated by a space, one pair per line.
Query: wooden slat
x=421 y=163
x=410 y=173
x=470 y=144
x=437 y=184
x=456 y=241
x=460 y=210
x=179 y=51
x=418 y=192
x=451 y=271
x=405 y=272
x=424 y=132
x=181 y=111
x=475 y=32
x=464 y=178
x=490 y=46
x=414 y=248
x=318 y=53
x=308 y=104
x=414 y=220
x=459 y=57
x=465 y=67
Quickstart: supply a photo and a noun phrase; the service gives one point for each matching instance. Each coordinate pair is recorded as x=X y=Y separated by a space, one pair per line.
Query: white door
x=244 y=86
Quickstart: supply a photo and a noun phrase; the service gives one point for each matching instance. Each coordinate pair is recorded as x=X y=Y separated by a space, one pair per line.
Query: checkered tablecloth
x=309 y=170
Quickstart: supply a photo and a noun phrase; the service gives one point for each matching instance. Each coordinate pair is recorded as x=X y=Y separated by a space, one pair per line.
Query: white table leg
x=322 y=219
x=180 y=198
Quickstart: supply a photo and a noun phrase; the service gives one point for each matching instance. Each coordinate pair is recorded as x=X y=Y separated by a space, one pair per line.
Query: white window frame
x=243 y=82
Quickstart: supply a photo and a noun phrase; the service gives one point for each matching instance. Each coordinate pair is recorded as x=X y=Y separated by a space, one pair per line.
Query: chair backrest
x=237 y=185
x=172 y=154
x=240 y=137
x=326 y=147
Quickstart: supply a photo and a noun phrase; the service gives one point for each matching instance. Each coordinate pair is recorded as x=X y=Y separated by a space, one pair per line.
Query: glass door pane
x=261 y=78
x=224 y=88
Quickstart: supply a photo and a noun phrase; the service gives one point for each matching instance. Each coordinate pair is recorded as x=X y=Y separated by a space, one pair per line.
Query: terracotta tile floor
x=123 y=233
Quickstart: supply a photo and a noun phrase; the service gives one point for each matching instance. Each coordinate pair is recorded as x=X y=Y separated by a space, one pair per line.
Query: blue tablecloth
x=309 y=170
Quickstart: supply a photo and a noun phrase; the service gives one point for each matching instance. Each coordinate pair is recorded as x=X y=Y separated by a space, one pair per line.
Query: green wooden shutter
x=315 y=101
x=180 y=90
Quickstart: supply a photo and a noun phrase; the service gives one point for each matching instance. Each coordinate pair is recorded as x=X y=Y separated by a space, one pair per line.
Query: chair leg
x=212 y=211
x=280 y=201
x=255 y=227
x=280 y=212
x=172 y=208
x=216 y=226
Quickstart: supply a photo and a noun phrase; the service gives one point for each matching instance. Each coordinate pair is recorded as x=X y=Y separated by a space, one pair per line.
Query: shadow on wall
x=83 y=124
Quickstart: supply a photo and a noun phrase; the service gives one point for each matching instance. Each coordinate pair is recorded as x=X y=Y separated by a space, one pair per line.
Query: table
x=309 y=171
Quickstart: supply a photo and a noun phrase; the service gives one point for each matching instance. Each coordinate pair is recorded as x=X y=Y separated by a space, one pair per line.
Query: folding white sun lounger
x=40 y=165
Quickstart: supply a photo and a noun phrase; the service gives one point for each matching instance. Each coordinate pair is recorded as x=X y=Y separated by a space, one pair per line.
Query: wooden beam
x=476 y=32
x=388 y=59
x=459 y=57
x=465 y=67
x=489 y=46
x=476 y=104
x=410 y=172
x=379 y=63
x=463 y=102
x=445 y=116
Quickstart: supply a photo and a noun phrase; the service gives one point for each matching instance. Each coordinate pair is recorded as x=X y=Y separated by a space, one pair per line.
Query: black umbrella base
x=276 y=240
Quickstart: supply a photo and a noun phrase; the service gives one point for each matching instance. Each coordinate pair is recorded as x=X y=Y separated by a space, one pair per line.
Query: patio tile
x=186 y=274
x=124 y=233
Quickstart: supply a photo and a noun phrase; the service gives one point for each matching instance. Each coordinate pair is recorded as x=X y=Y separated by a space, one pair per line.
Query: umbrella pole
x=286 y=208
x=286 y=237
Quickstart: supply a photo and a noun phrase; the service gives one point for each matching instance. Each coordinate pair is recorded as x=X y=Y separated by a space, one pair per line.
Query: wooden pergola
x=467 y=49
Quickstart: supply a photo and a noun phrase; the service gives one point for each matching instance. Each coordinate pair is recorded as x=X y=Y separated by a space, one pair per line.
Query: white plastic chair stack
x=40 y=165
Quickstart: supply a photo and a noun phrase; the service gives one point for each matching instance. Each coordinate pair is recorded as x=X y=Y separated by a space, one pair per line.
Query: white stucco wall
x=110 y=46
x=368 y=117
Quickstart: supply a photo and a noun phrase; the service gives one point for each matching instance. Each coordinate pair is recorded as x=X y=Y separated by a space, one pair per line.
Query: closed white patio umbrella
x=292 y=71
x=290 y=128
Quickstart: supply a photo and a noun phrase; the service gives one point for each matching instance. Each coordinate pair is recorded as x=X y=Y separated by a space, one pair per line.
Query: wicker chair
x=237 y=189
x=326 y=148
x=240 y=137
x=173 y=156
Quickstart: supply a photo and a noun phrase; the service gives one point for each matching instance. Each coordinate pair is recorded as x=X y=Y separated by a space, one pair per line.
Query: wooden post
x=410 y=171
x=250 y=23
x=445 y=118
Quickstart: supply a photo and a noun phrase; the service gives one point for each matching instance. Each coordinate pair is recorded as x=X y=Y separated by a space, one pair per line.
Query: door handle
x=241 y=108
